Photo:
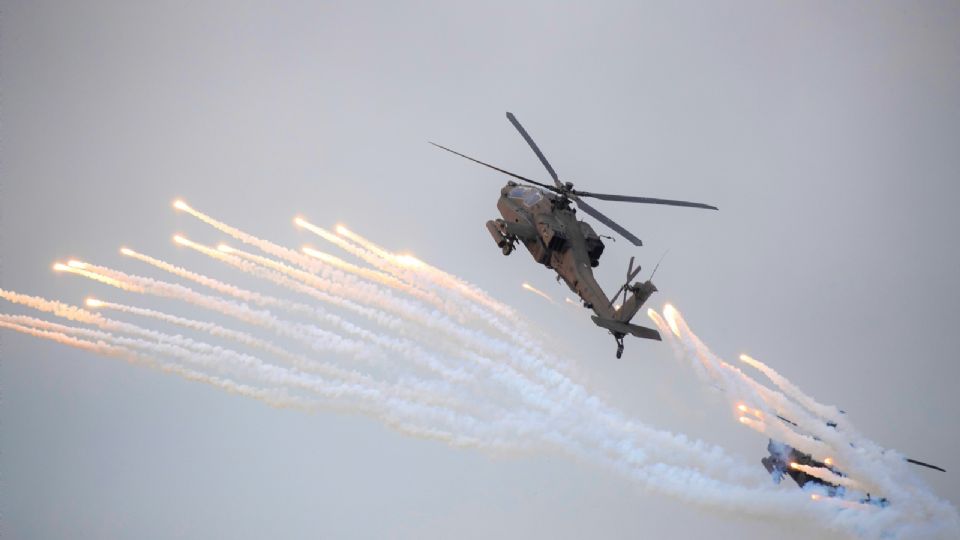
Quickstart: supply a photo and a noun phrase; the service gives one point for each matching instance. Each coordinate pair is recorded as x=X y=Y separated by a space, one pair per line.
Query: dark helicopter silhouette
x=785 y=460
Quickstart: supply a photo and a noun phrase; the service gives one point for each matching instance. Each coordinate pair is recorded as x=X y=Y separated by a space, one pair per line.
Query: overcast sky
x=827 y=133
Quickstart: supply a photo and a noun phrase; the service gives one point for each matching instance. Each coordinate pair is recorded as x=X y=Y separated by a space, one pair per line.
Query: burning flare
x=537 y=291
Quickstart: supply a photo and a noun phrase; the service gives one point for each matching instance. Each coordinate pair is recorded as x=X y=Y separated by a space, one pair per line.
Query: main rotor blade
x=536 y=149
x=608 y=222
x=647 y=200
x=922 y=464
x=508 y=173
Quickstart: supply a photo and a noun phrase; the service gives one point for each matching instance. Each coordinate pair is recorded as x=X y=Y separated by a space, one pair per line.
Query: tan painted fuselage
x=547 y=225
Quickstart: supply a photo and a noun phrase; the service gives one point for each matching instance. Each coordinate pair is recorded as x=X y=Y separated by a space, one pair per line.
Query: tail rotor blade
x=632 y=273
x=616 y=294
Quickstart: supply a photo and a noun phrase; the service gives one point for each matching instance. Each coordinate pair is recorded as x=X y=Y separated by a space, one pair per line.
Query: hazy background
x=827 y=133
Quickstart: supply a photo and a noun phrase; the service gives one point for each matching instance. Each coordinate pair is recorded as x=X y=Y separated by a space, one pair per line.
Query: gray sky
x=826 y=133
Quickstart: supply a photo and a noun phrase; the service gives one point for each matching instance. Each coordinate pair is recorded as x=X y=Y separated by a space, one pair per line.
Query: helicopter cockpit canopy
x=529 y=195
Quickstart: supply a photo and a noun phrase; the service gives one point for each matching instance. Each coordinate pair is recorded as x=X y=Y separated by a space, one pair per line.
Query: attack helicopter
x=540 y=217
x=785 y=460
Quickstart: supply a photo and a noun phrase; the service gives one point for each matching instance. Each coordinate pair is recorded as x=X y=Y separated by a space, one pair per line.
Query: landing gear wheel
x=507 y=249
x=619 y=347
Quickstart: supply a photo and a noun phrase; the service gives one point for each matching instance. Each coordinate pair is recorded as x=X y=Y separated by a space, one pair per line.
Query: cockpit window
x=518 y=192
x=530 y=196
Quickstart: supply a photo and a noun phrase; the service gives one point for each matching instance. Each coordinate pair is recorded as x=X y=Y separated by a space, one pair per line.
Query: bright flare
x=407 y=260
x=180 y=205
x=537 y=291
x=671 y=314
x=93 y=302
x=748 y=360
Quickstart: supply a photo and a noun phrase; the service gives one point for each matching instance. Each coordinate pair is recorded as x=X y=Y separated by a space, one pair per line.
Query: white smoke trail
x=913 y=511
x=256 y=298
x=829 y=476
x=317 y=339
x=791 y=390
x=403 y=346
x=435 y=275
x=432 y=321
x=323 y=290
x=500 y=390
x=393 y=407
x=242 y=338
x=412 y=390
x=360 y=271
x=419 y=274
x=273 y=397
x=536 y=394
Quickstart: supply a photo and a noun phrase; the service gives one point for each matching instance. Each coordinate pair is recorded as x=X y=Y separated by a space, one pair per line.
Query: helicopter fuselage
x=548 y=227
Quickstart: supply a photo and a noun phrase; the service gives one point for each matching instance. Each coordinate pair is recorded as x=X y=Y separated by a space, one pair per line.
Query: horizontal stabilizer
x=624 y=328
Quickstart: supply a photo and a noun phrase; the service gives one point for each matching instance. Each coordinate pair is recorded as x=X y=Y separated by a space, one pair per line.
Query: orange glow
x=408 y=260
x=299 y=221
x=73 y=263
x=815 y=497
x=749 y=361
x=60 y=267
x=828 y=461
x=536 y=291
x=180 y=205
x=755 y=412
x=314 y=253
x=180 y=240
x=794 y=465
x=342 y=230
x=224 y=248
x=126 y=251
x=671 y=314
x=94 y=303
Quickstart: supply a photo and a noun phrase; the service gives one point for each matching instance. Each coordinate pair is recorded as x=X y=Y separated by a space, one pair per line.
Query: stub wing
x=622 y=328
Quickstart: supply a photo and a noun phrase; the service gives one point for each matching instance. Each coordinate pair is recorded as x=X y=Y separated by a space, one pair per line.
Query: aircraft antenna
x=658 y=264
